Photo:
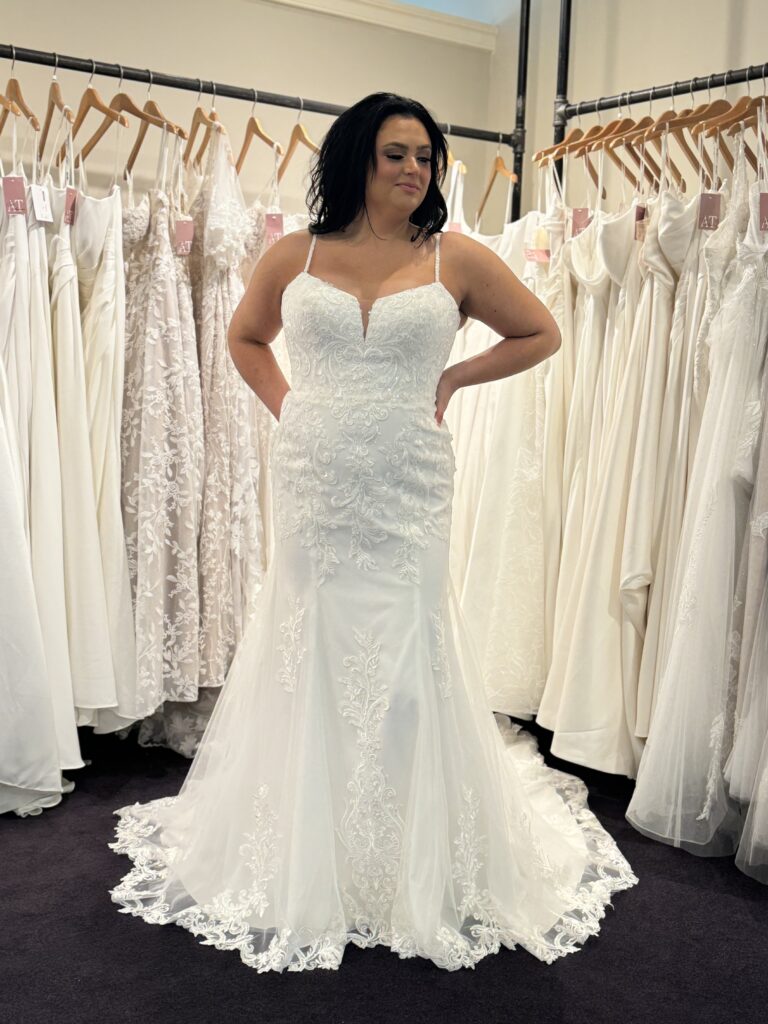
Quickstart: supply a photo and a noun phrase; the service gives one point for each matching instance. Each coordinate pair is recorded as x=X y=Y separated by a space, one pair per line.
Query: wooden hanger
x=750 y=120
x=123 y=103
x=298 y=135
x=498 y=168
x=597 y=141
x=55 y=102
x=253 y=130
x=450 y=159
x=566 y=147
x=544 y=156
x=744 y=108
x=14 y=94
x=91 y=100
x=200 y=119
x=643 y=131
x=150 y=107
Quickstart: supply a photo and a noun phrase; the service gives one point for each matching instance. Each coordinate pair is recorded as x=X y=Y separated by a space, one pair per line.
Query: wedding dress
x=352 y=785
x=681 y=796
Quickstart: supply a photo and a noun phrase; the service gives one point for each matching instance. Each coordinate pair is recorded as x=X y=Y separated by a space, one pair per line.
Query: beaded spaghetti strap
x=437 y=257
x=309 y=254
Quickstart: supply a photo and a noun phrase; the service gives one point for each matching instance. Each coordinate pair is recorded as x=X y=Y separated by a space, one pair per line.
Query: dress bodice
x=398 y=355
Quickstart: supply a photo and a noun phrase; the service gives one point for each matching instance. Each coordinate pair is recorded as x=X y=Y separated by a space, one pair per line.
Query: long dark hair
x=348 y=152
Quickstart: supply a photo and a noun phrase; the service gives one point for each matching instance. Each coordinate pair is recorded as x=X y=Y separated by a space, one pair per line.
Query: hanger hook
x=199 y=90
x=120 y=83
x=301 y=108
x=578 y=112
x=709 y=88
x=255 y=101
x=650 y=101
x=93 y=70
x=749 y=82
x=763 y=77
x=149 y=87
x=725 y=83
x=597 y=109
x=674 y=87
x=13 y=58
x=213 y=101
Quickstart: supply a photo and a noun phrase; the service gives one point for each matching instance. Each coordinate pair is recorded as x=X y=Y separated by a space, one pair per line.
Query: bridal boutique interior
x=609 y=519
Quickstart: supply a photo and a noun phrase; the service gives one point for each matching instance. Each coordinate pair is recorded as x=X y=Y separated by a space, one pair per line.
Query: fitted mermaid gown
x=352 y=784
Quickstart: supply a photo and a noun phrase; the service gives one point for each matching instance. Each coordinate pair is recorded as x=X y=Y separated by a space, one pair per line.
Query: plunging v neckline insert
x=365 y=321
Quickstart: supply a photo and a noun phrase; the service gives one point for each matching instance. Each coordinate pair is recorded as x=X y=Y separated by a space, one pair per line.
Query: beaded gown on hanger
x=352 y=784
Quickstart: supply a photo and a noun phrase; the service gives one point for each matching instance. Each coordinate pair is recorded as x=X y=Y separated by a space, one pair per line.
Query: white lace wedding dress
x=352 y=785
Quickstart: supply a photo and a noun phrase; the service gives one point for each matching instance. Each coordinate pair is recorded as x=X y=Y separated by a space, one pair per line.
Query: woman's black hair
x=347 y=155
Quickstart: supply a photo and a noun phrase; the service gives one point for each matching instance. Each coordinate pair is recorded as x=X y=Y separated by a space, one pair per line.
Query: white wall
x=619 y=45
x=616 y=45
x=265 y=45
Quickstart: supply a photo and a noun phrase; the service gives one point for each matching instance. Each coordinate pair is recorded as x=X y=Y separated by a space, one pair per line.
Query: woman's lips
x=408 y=188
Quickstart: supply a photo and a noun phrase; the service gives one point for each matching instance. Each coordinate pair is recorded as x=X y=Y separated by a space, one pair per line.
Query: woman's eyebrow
x=402 y=145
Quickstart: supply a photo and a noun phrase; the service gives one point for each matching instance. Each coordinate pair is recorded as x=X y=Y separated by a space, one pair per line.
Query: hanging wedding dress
x=506 y=552
x=93 y=680
x=695 y=256
x=30 y=778
x=46 y=530
x=180 y=724
x=681 y=797
x=597 y=646
x=162 y=443
x=231 y=537
x=97 y=249
x=352 y=785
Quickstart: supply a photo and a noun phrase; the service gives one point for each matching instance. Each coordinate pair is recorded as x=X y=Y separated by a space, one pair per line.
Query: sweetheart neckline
x=380 y=298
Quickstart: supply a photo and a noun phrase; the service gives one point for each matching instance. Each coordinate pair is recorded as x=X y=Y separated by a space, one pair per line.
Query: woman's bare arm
x=257 y=320
x=495 y=296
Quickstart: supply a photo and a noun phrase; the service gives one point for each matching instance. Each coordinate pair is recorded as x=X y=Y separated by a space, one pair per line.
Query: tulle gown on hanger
x=352 y=785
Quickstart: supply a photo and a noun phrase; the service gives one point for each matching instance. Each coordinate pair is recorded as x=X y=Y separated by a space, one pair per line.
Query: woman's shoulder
x=285 y=257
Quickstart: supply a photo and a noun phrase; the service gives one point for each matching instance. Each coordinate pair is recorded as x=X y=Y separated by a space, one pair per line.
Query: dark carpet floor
x=688 y=944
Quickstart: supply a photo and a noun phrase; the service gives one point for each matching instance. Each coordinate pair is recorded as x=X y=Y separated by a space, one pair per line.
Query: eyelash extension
x=397 y=156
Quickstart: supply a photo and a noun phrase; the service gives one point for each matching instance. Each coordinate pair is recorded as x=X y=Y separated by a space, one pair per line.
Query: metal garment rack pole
x=658 y=92
x=218 y=89
x=522 y=90
x=563 y=60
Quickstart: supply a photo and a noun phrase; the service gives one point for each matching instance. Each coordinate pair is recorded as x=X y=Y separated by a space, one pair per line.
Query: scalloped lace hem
x=144 y=892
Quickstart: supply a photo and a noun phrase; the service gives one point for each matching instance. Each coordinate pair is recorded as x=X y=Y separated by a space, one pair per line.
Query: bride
x=352 y=784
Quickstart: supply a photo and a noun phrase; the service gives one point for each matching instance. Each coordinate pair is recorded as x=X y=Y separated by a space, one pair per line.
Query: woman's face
x=403 y=165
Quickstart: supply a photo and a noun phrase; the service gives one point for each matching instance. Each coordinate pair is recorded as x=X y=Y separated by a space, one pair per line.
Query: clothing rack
x=565 y=110
x=219 y=89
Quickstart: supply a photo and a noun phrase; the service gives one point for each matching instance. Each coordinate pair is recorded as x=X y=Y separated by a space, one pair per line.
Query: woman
x=352 y=785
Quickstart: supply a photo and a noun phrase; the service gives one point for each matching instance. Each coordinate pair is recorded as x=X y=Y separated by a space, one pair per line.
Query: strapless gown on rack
x=352 y=784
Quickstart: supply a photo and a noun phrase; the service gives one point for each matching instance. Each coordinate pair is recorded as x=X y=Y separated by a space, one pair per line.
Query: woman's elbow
x=553 y=339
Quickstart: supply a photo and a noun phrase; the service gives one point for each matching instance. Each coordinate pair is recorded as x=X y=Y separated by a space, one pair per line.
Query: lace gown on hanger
x=352 y=785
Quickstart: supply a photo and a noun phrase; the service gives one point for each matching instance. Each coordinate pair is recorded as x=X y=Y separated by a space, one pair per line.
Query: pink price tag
x=274 y=227
x=581 y=219
x=454 y=225
x=183 y=233
x=14 y=196
x=70 y=205
x=764 y=211
x=640 y=223
x=537 y=255
x=709 y=210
